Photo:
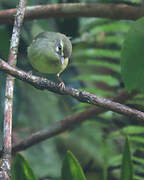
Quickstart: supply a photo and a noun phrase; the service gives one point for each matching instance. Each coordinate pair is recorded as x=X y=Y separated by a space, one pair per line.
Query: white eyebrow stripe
x=61 y=43
x=57 y=50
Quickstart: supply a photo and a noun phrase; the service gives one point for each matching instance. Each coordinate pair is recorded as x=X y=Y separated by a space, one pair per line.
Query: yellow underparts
x=63 y=66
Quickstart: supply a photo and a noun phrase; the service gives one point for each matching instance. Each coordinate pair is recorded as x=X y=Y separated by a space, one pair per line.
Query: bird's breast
x=64 y=65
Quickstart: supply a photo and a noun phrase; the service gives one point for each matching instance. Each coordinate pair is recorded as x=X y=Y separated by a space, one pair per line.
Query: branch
x=66 y=124
x=113 y=11
x=7 y=145
x=82 y=96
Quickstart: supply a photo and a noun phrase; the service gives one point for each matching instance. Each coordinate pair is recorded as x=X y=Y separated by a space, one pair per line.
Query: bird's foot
x=61 y=85
x=29 y=74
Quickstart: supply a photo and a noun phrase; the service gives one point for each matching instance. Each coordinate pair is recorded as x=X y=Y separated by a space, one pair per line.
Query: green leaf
x=138 y=178
x=111 y=27
x=133 y=130
x=132 y=57
x=71 y=169
x=137 y=139
x=127 y=166
x=4 y=47
x=138 y=160
x=94 y=77
x=97 y=53
x=21 y=170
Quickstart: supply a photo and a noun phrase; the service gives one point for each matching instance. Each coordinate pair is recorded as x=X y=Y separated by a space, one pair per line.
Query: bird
x=49 y=53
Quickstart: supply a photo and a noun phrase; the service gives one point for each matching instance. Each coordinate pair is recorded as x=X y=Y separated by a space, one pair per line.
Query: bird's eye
x=59 y=47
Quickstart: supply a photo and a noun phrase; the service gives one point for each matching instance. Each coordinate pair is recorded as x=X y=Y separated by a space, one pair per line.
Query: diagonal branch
x=7 y=132
x=83 y=96
x=66 y=124
x=113 y=11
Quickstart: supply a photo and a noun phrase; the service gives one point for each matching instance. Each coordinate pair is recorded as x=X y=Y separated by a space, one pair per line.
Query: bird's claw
x=29 y=74
x=61 y=85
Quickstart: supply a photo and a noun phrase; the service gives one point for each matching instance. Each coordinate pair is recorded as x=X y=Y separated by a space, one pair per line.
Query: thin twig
x=113 y=11
x=82 y=96
x=67 y=123
x=7 y=145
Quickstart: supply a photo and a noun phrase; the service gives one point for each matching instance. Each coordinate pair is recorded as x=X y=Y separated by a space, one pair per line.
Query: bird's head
x=63 y=47
x=48 y=51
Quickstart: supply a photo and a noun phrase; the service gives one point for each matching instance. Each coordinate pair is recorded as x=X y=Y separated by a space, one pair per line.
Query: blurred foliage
x=127 y=165
x=95 y=67
x=71 y=168
x=21 y=169
x=132 y=57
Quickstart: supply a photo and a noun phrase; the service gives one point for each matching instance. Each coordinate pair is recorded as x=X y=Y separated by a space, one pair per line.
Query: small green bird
x=49 y=53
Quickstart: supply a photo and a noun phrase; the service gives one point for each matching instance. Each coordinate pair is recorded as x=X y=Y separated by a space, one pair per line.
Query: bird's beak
x=62 y=59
